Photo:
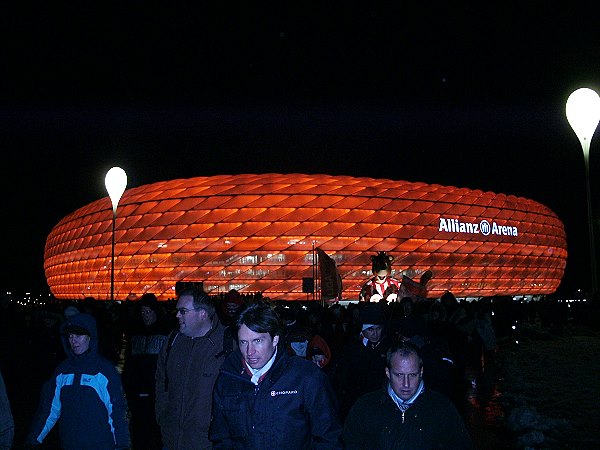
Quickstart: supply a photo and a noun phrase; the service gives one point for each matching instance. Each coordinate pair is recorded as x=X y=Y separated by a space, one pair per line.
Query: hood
x=81 y=320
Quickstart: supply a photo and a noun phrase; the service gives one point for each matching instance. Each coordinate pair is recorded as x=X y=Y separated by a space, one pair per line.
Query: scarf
x=257 y=374
x=404 y=405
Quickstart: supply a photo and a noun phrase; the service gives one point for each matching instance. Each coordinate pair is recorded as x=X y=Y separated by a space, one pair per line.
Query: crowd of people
x=240 y=371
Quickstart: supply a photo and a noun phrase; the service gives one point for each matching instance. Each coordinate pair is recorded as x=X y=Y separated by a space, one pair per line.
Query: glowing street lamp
x=115 y=181
x=583 y=114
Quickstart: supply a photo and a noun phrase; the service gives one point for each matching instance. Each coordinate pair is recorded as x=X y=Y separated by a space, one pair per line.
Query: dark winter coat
x=183 y=406
x=293 y=407
x=7 y=423
x=85 y=396
x=139 y=381
x=139 y=372
x=432 y=422
x=360 y=369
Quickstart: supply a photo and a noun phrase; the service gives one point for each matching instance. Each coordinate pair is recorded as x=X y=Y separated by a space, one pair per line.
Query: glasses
x=184 y=311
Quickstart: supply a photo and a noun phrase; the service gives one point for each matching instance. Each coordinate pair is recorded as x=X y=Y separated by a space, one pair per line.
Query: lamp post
x=115 y=181
x=583 y=114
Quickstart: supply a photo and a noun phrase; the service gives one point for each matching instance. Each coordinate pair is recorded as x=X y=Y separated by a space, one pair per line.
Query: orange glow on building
x=257 y=233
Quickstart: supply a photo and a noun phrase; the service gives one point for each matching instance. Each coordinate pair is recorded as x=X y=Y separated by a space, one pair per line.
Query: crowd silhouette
x=457 y=341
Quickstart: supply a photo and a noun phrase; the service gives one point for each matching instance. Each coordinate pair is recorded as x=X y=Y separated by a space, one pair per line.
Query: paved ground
x=484 y=414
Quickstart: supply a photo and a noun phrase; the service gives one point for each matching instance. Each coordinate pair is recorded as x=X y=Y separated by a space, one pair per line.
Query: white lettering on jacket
x=276 y=393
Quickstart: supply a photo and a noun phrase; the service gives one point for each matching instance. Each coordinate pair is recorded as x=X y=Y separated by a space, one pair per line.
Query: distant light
x=514 y=327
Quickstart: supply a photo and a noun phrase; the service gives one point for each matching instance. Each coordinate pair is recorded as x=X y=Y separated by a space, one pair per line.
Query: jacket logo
x=276 y=393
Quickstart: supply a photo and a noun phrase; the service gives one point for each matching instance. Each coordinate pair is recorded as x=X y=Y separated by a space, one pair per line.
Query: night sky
x=463 y=94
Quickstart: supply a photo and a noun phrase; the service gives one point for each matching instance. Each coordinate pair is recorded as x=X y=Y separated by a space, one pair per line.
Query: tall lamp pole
x=115 y=181
x=583 y=114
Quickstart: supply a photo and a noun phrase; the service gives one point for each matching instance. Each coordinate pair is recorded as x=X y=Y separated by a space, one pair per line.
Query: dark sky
x=469 y=95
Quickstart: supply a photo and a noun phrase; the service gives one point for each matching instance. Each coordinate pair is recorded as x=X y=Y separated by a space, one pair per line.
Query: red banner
x=411 y=288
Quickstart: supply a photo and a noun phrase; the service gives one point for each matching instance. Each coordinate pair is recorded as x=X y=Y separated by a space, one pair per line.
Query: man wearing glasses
x=188 y=365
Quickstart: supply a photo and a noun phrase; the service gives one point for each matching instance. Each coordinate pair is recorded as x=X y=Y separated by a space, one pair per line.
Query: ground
x=550 y=387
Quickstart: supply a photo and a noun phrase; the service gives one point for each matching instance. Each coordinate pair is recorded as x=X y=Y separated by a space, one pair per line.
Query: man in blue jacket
x=265 y=398
x=84 y=395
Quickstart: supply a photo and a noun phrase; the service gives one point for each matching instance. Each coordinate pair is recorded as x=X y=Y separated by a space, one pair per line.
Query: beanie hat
x=233 y=296
x=149 y=300
x=70 y=311
x=298 y=334
x=370 y=315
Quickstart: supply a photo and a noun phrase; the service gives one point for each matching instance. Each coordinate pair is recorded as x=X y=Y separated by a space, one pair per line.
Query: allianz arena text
x=258 y=233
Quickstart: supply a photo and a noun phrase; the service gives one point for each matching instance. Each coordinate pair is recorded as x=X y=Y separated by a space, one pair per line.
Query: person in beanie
x=360 y=366
x=228 y=306
x=405 y=413
x=84 y=395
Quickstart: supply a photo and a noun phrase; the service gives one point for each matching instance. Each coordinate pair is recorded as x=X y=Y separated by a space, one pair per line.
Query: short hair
x=148 y=299
x=404 y=349
x=260 y=318
x=201 y=300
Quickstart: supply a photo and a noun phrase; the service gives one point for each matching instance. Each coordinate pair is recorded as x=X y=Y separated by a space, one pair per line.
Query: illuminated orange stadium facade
x=257 y=233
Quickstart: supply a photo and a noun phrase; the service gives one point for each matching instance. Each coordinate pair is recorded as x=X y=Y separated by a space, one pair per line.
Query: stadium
x=259 y=232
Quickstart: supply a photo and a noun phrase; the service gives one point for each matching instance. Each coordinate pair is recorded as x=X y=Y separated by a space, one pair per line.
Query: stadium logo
x=483 y=227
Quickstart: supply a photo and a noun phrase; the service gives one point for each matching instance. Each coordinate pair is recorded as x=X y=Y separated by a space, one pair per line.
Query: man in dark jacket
x=187 y=367
x=361 y=363
x=84 y=395
x=267 y=399
x=404 y=414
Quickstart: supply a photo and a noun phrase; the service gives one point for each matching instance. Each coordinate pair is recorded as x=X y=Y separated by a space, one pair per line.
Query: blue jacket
x=85 y=396
x=293 y=407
